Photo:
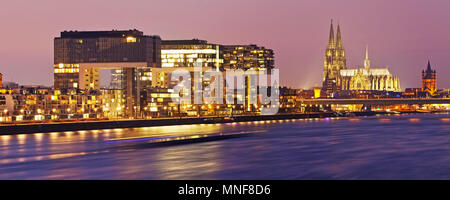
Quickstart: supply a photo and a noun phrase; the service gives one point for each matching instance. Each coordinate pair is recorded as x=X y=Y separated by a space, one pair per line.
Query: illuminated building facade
x=335 y=58
x=247 y=57
x=367 y=78
x=79 y=55
x=40 y=103
x=1 y=80
x=429 y=80
x=158 y=102
x=337 y=77
x=289 y=100
x=161 y=81
x=180 y=54
x=184 y=53
x=6 y=106
x=113 y=103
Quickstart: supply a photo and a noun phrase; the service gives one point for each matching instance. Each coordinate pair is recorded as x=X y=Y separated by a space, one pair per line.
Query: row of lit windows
x=62 y=65
x=128 y=39
x=188 y=51
x=164 y=95
x=254 y=51
x=67 y=70
x=210 y=60
x=189 y=46
x=180 y=55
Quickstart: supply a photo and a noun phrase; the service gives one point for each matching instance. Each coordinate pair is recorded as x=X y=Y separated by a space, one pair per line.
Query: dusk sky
x=401 y=34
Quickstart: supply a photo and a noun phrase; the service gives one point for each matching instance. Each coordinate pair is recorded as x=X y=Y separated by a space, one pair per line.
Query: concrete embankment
x=80 y=125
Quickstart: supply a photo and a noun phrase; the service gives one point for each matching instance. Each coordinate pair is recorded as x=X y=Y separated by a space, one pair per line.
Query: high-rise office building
x=247 y=57
x=184 y=53
x=1 y=80
x=79 y=55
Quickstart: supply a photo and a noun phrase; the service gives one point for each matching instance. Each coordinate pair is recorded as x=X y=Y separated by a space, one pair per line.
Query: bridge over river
x=379 y=102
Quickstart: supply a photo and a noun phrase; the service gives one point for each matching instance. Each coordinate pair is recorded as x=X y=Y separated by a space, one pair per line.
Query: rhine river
x=415 y=146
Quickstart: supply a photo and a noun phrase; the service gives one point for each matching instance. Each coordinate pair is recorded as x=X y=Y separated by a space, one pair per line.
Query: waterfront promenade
x=9 y=129
x=47 y=127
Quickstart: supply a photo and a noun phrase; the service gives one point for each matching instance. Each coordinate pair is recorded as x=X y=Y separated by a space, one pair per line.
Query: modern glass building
x=247 y=57
x=79 y=55
x=184 y=53
x=129 y=54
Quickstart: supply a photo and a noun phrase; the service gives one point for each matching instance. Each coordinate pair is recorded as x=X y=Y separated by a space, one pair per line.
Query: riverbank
x=114 y=124
x=282 y=149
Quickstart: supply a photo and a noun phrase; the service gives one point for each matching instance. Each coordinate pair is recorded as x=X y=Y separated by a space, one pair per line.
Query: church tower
x=367 y=61
x=340 y=51
x=429 y=80
x=334 y=60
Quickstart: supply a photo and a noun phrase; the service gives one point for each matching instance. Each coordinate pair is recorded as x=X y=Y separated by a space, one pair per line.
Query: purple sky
x=401 y=34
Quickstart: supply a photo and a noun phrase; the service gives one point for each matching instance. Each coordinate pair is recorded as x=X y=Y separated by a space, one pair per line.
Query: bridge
x=378 y=102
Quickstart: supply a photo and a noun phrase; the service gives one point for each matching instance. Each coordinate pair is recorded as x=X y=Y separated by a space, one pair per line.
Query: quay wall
x=113 y=124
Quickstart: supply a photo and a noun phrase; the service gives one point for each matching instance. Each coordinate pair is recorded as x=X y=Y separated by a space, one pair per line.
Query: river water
x=379 y=147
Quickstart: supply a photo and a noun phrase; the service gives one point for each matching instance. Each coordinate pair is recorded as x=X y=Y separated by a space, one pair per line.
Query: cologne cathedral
x=337 y=77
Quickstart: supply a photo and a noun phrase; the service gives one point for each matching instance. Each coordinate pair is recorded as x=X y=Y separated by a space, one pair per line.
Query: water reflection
x=5 y=139
x=349 y=148
x=203 y=162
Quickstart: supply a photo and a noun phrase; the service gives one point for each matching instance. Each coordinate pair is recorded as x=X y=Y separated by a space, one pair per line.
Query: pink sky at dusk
x=401 y=34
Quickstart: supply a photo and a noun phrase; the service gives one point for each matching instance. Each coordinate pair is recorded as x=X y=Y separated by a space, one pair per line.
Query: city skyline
x=404 y=47
x=241 y=90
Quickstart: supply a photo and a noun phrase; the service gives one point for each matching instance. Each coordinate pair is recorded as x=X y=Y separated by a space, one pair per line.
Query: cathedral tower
x=429 y=80
x=340 y=51
x=334 y=59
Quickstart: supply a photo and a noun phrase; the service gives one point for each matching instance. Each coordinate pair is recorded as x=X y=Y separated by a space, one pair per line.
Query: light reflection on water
x=380 y=147
x=204 y=164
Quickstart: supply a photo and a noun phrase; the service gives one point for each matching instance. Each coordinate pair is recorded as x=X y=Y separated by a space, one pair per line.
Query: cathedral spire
x=331 y=42
x=429 y=66
x=338 y=36
x=367 y=61
x=367 y=52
